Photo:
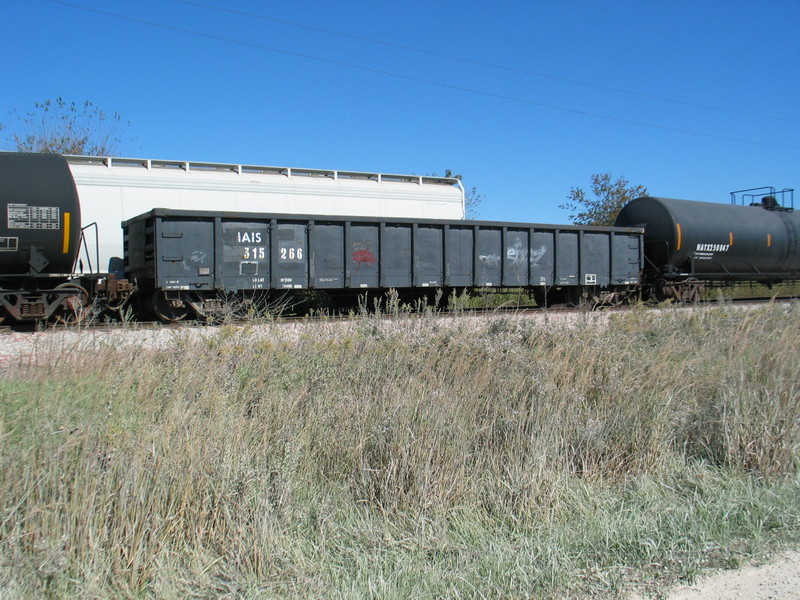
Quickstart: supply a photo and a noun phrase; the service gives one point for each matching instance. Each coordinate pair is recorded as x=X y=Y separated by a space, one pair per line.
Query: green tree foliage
x=62 y=127
x=608 y=199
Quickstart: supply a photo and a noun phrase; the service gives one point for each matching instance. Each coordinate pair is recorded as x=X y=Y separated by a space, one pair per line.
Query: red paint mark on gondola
x=363 y=256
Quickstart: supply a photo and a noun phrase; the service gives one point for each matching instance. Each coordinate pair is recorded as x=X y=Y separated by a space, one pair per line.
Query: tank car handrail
x=85 y=246
x=766 y=196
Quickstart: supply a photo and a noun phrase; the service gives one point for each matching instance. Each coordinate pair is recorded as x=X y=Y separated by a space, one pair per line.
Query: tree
x=472 y=199
x=61 y=127
x=603 y=208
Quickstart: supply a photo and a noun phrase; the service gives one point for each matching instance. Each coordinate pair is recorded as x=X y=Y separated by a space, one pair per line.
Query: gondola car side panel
x=245 y=263
x=361 y=253
x=542 y=257
x=428 y=270
x=459 y=250
x=595 y=254
x=184 y=254
x=290 y=255
x=327 y=265
x=395 y=255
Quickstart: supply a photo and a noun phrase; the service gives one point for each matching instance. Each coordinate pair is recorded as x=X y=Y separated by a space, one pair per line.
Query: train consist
x=199 y=239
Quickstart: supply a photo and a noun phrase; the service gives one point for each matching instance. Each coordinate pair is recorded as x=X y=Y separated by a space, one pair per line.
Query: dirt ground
x=778 y=579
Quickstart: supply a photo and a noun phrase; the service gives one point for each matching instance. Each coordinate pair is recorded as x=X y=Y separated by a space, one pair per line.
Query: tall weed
x=409 y=457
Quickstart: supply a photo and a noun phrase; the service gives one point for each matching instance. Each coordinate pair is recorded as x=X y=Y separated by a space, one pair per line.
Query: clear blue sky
x=705 y=95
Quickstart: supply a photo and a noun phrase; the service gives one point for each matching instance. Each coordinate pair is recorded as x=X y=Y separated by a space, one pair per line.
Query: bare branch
x=61 y=127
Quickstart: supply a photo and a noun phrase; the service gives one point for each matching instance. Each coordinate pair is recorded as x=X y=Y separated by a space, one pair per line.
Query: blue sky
x=692 y=99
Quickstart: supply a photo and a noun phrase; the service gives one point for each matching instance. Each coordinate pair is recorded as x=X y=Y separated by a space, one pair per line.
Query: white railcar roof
x=138 y=168
x=112 y=190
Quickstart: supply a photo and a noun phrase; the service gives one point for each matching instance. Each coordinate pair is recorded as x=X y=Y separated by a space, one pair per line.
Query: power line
x=417 y=79
x=486 y=64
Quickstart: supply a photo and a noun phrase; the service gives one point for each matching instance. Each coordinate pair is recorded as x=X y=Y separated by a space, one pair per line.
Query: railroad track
x=514 y=309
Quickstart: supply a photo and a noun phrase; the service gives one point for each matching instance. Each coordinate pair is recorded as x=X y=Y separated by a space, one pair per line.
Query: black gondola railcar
x=186 y=262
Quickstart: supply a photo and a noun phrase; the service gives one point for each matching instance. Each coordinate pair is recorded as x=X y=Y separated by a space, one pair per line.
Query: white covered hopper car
x=113 y=190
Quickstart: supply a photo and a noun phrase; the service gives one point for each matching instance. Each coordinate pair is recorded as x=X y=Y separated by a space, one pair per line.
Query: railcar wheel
x=575 y=297
x=171 y=309
x=608 y=299
x=540 y=297
x=688 y=291
x=76 y=306
x=553 y=296
x=692 y=290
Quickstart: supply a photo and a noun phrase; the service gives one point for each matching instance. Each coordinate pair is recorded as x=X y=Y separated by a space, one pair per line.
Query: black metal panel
x=395 y=255
x=245 y=255
x=327 y=255
x=138 y=250
x=290 y=262
x=362 y=255
x=489 y=251
x=595 y=258
x=516 y=263
x=460 y=254
x=184 y=254
x=543 y=258
x=567 y=258
x=428 y=256
x=626 y=257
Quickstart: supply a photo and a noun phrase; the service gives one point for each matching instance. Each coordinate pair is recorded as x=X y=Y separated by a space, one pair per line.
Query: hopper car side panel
x=113 y=190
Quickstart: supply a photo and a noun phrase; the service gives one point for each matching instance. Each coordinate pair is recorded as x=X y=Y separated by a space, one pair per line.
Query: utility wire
x=418 y=79
x=486 y=64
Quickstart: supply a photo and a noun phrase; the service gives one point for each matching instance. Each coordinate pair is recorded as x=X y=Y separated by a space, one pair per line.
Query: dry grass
x=403 y=459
